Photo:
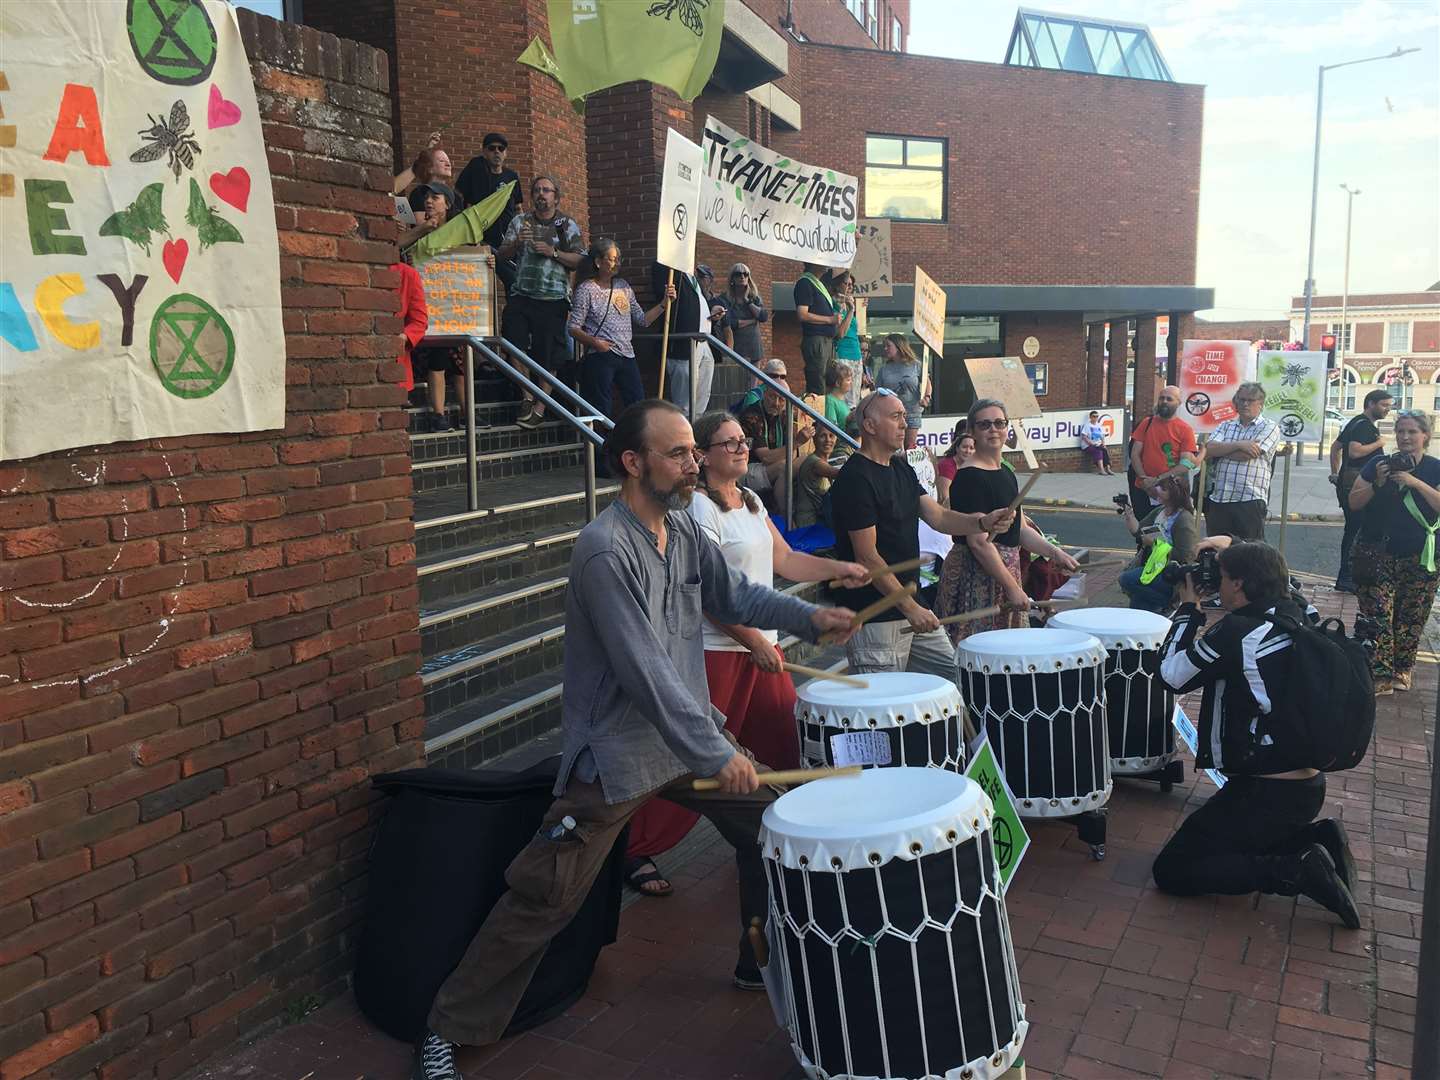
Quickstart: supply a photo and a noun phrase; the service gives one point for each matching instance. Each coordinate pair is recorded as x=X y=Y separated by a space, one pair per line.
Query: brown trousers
x=548 y=882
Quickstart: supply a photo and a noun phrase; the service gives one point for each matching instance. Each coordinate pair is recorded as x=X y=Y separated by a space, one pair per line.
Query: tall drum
x=1040 y=695
x=1140 y=707
x=919 y=717
x=890 y=948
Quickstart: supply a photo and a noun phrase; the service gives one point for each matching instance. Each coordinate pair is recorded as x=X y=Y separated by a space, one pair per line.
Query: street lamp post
x=1340 y=341
x=1315 y=187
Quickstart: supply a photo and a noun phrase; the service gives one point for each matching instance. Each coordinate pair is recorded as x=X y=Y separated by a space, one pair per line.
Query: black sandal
x=637 y=878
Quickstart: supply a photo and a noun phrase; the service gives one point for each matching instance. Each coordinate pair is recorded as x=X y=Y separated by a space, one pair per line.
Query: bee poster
x=1210 y=373
x=1294 y=385
x=139 y=264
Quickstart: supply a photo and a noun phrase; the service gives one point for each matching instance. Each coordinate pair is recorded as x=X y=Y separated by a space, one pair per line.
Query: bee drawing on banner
x=171 y=137
x=689 y=13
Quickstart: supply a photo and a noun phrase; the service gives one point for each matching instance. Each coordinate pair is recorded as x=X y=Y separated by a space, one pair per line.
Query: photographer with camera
x=1166 y=537
x=1258 y=832
x=1399 y=497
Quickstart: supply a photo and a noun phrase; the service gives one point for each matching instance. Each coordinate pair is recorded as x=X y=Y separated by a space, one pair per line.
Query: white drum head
x=893 y=698
x=1029 y=651
x=850 y=823
x=1116 y=628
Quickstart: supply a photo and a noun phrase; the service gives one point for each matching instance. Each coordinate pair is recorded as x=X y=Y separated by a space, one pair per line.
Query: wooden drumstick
x=885 y=603
x=1015 y=502
x=783 y=777
x=758 y=945
x=894 y=568
x=821 y=673
x=963 y=617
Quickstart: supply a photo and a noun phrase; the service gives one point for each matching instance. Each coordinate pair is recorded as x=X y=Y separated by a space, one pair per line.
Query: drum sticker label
x=1185 y=728
x=860 y=748
x=1007 y=833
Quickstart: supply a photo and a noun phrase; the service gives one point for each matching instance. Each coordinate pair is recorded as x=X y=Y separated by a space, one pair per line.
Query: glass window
x=905 y=178
x=965 y=335
x=1343 y=342
x=897 y=35
x=1398 y=339
x=872 y=21
x=1345 y=401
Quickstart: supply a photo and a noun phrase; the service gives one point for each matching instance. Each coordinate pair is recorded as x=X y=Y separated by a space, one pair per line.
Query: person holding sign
x=601 y=320
x=1399 y=494
x=876 y=504
x=819 y=321
x=984 y=571
x=1241 y=453
x=548 y=245
x=1161 y=445
x=742 y=664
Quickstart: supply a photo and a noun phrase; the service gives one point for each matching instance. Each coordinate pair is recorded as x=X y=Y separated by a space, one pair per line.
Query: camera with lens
x=1367 y=632
x=1204 y=571
x=1121 y=501
x=1401 y=462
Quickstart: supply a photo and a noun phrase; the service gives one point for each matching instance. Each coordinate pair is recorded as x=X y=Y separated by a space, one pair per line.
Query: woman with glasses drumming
x=1395 y=569
x=984 y=570
x=744 y=312
x=742 y=664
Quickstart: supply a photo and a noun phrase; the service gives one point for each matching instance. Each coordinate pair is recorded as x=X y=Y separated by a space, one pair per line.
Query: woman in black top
x=1400 y=495
x=984 y=571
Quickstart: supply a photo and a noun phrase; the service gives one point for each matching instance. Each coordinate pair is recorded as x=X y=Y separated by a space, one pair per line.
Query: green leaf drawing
x=783 y=163
x=138 y=220
x=212 y=228
x=849 y=228
x=739 y=193
x=830 y=175
x=737 y=143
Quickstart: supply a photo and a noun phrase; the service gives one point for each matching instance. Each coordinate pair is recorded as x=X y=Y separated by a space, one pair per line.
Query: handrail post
x=694 y=371
x=789 y=466
x=589 y=475
x=472 y=464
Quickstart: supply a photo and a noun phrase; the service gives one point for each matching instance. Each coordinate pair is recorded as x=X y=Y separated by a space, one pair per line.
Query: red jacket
x=415 y=314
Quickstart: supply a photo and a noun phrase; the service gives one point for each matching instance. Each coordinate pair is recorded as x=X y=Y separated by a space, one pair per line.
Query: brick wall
x=1262 y=330
x=209 y=645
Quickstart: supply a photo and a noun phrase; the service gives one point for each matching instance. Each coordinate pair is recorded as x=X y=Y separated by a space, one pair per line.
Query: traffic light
x=1327 y=346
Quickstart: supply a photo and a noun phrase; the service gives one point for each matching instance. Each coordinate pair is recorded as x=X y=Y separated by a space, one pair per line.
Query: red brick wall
x=1268 y=330
x=1369 y=337
x=209 y=645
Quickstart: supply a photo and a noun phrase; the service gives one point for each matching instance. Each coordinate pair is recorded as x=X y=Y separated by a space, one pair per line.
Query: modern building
x=1050 y=195
x=1382 y=339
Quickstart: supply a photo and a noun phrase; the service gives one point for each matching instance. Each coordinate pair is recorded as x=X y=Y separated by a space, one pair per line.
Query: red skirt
x=760 y=713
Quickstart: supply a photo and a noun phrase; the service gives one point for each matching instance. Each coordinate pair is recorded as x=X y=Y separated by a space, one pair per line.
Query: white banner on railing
x=758 y=199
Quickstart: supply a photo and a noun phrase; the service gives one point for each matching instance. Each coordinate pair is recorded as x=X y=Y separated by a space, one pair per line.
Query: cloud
x=1281 y=29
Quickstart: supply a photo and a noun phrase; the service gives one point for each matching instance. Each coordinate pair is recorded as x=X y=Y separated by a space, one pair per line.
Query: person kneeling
x=1258 y=832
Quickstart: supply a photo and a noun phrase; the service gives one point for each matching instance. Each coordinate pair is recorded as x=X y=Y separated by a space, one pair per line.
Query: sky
x=1258 y=61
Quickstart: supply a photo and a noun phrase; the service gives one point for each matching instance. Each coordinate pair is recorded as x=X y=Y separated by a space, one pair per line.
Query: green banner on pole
x=671 y=42
x=1007 y=833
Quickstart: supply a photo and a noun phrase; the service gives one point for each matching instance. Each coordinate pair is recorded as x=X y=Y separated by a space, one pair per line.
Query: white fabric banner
x=679 y=203
x=1295 y=392
x=139 y=265
x=758 y=199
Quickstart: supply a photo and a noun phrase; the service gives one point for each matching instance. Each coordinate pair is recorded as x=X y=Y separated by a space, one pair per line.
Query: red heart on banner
x=173 y=256
x=233 y=187
x=222 y=113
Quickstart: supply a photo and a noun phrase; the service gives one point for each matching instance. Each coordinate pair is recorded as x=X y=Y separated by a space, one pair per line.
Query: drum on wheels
x=919 y=717
x=890 y=951
x=1141 y=708
x=1040 y=695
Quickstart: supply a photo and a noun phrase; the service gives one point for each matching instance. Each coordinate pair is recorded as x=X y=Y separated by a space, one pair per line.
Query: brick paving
x=1119 y=980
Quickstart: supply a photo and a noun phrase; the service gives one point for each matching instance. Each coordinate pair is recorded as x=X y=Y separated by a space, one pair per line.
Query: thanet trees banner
x=758 y=199
x=139 y=267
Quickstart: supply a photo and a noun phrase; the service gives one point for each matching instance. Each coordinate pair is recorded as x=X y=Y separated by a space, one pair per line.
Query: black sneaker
x=1330 y=835
x=440 y=422
x=435 y=1059
x=748 y=979
x=1320 y=881
x=1345 y=585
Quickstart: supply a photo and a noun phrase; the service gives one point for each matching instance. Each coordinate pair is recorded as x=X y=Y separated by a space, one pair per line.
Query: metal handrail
x=470 y=343
x=539 y=370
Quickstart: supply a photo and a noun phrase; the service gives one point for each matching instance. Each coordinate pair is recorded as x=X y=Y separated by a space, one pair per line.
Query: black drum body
x=1141 y=712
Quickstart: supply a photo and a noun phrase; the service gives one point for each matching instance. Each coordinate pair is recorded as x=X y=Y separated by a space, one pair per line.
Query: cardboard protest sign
x=873 y=270
x=1294 y=392
x=1003 y=378
x=1209 y=373
x=139 y=266
x=928 y=314
x=679 y=203
x=758 y=199
x=1007 y=832
x=460 y=294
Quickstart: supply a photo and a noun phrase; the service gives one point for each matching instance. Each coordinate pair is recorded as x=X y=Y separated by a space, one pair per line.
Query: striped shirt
x=1242 y=479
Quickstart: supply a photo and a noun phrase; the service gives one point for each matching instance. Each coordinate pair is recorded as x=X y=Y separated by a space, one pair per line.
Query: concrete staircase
x=492 y=581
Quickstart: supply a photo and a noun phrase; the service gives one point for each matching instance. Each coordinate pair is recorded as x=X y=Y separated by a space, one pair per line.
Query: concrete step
x=435 y=445
x=463 y=622
x=513 y=508
x=449 y=575
x=450 y=472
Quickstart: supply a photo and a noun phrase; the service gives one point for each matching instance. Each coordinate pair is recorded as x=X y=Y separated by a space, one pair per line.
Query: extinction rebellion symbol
x=191 y=347
x=680 y=221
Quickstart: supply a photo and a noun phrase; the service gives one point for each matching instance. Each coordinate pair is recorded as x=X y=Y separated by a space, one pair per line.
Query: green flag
x=537 y=56
x=671 y=42
x=466 y=227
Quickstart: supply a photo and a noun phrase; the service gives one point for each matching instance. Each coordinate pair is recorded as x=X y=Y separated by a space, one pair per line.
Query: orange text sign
x=460 y=294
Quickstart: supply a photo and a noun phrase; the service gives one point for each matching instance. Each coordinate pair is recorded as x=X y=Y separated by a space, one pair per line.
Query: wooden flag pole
x=665 y=331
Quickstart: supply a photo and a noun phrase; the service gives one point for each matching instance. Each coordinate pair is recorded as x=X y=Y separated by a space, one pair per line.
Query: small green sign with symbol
x=1007 y=833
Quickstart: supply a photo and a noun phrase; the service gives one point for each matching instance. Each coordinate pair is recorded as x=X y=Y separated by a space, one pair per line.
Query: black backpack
x=1328 y=703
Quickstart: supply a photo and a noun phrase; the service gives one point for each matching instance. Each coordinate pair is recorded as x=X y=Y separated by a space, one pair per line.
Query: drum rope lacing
x=1119 y=666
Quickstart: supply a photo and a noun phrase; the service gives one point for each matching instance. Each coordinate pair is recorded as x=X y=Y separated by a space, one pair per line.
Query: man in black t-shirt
x=1358 y=442
x=876 y=504
x=815 y=308
x=485 y=175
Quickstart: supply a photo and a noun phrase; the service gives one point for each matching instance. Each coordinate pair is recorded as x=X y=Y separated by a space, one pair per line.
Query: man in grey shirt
x=636 y=717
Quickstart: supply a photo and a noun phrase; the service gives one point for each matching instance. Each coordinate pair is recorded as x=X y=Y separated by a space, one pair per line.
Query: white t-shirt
x=745 y=541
